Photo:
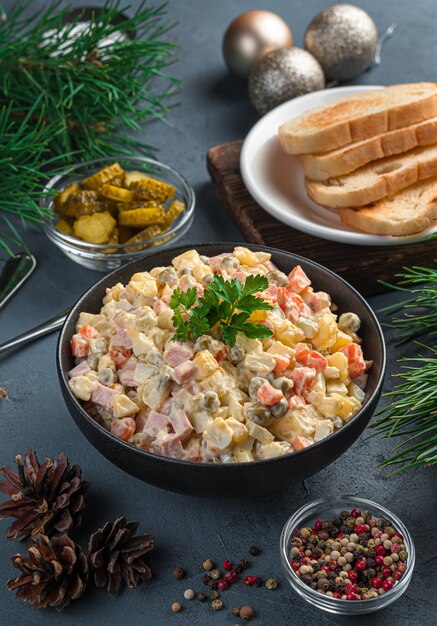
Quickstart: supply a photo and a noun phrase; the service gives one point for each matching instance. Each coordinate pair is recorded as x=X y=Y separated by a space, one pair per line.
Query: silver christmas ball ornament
x=343 y=39
x=281 y=75
x=251 y=35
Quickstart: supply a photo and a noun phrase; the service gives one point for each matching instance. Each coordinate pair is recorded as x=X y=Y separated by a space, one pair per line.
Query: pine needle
x=412 y=408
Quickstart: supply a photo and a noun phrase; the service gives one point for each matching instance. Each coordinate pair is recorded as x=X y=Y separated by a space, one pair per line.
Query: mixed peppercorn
x=353 y=557
x=219 y=580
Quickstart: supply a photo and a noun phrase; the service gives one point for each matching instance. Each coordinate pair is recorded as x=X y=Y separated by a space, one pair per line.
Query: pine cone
x=46 y=499
x=115 y=555
x=55 y=572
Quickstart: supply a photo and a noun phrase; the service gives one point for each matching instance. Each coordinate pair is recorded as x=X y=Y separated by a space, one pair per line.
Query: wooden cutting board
x=362 y=266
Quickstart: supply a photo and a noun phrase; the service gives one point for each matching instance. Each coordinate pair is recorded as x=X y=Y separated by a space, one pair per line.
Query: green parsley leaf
x=227 y=303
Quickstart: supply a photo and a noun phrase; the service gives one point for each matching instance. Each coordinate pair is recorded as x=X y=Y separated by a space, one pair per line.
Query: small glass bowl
x=328 y=509
x=105 y=257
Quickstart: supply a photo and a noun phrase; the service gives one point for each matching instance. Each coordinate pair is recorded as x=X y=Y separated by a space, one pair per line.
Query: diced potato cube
x=328 y=331
x=82 y=387
x=239 y=429
x=287 y=332
x=123 y=406
x=259 y=433
x=356 y=392
x=144 y=284
x=339 y=360
x=218 y=434
x=343 y=339
x=186 y=260
x=246 y=256
x=324 y=428
x=205 y=364
x=200 y=271
x=261 y=363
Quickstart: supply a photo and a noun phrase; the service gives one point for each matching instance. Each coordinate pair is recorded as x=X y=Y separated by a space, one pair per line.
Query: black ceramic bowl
x=252 y=478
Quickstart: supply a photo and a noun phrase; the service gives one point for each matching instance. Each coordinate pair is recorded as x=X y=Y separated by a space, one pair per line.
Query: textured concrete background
x=214 y=108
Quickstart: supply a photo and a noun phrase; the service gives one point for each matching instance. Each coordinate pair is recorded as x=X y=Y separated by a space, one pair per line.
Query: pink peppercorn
x=387 y=585
x=351 y=596
x=325 y=568
x=395 y=547
x=386 y=572
x=333 y=565
x=222 y=585
x=350 y=589
x=250 y=580
x=379 y=560
x=376 y=582
x=397 y=575
x=227 y=565
x=360 y=565
x=318 y=525
x=402 y=567
x=380 y=550
x=356 y=513
x=336 y=595
x=231 y=577
x=352 y=575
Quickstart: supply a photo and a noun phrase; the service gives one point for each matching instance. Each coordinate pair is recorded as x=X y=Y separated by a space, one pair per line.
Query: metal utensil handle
x=43 y=329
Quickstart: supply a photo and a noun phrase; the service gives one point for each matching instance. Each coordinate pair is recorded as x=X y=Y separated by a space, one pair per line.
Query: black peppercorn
x=306 y=578
x=344 y=514
x=201 y=596
x=338 y=521
x=258 y=582
x=206 y=579
x=371 y=552
x=254 y=550
x=212 y=584
x=313 y=585
x=238 y=569
x=178 y=572
x=244 y=563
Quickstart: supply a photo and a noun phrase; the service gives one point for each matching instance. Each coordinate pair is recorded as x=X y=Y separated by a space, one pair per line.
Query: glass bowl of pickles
x=110 y=211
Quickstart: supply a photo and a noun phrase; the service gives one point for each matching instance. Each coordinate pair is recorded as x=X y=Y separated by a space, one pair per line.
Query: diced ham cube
x=270 y=294
x=121 y=339
x=299 y=443
x=178 y=353
x=214 y=261
x=170 y=445
x=140 y=421
x=103 y=395
x=79 y=346
x=155 y=423
x=302 y=378
x=361 y=381
x=184 y=372
x=120 y=355
x=123 y=428
x=80 y=370
x=298 y=281
x=296 y=402
x=126 y=373
x=180 y=422
x=318 y=300
x=310 y=358
x=356 y=362
x=290 y=303
x=269 y=395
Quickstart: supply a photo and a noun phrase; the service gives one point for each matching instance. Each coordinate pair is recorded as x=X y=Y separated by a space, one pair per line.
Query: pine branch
x=412 y=408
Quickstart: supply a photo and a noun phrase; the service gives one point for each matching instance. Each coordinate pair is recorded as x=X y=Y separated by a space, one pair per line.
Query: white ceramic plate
x=276 y=179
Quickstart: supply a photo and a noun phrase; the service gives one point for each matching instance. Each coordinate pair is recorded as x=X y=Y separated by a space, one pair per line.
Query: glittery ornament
x=343 y=38
x=281 y=75
x=251 y=35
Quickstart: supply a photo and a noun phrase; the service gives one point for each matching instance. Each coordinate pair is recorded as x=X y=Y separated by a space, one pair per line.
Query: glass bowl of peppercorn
x=347 y=555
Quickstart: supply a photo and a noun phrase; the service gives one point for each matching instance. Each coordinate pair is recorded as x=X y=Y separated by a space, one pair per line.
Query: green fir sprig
x=412 y=408
x=97 y=94
x=226 y=305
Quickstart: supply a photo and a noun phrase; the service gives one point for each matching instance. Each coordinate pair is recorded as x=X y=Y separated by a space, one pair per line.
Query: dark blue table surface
x=213 y=109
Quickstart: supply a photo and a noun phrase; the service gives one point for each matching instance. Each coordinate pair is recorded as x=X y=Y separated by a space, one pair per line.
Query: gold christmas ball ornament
x=343 y=39
x=251 y=35
x=281 y=75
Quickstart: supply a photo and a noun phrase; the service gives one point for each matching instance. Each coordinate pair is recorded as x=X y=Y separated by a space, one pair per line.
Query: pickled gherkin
x=151 y=189
x=61 y=200
x=103 y=176
x=116 y=207
x=140 y=218
x=175 y=209
x=144 y=235
x=112 y=192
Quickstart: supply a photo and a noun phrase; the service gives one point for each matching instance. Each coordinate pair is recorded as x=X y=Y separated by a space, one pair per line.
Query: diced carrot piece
x=89 y=331
x=357 y=364
x=269 y=395
x=302 y=378
x=298 y=281
x=301 y=442
x=123 y=428
x=310 y=358
x=120 y=356
x=282 y=363
x=79 y=346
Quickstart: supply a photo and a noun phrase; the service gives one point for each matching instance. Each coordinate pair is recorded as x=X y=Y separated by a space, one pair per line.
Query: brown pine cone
x=115 y=555
x=55 y=572
x=46 y=499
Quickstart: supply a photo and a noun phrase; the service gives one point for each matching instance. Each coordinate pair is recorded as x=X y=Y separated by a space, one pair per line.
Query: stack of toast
x=372 y=157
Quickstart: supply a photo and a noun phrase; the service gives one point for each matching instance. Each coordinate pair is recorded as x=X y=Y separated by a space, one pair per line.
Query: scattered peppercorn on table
x=188 y=530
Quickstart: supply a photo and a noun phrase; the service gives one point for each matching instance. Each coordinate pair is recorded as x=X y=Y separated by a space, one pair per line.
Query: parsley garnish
x=227 y=303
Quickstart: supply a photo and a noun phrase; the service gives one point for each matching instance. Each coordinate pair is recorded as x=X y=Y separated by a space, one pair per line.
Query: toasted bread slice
x=350 y=158
x=375 y=181
x=359 y=117
x=407 y=212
